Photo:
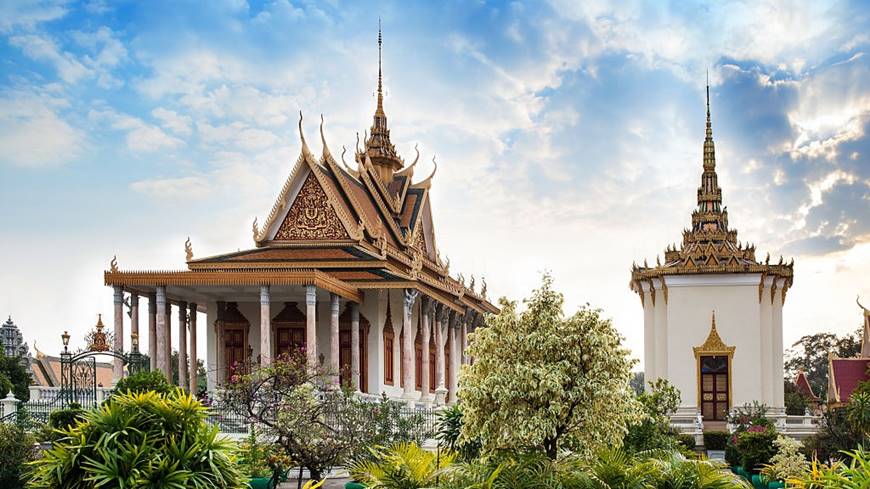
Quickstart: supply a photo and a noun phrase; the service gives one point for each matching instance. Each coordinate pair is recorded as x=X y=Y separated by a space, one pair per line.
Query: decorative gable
x=311 y=216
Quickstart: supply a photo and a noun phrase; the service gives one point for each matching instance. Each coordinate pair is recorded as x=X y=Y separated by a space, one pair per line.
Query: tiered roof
x=709 y=246
x=344 y=229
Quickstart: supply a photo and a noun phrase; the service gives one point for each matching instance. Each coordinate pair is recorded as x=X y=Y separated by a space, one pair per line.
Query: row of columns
x=447 y=322
x=159 y=335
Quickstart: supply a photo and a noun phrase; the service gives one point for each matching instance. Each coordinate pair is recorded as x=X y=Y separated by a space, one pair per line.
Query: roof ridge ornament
x=256 y=230
x=305 y=150
x=326 y=153
x=427 y=182
x=113 y=265
x=188 y=249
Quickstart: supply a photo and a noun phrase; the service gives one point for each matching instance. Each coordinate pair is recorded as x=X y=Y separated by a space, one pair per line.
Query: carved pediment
x=311 y=216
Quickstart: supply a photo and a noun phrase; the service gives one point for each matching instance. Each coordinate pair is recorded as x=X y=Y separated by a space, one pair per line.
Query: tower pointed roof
x=709 y=245
x=378 y=147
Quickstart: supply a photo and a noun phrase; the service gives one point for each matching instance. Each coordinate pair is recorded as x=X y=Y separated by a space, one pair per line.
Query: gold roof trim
x=714 y=344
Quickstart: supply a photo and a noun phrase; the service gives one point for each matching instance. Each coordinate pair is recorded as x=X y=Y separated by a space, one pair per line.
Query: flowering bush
x=789 y=462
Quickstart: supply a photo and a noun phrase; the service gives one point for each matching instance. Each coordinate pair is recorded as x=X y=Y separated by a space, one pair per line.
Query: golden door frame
x=713 y=346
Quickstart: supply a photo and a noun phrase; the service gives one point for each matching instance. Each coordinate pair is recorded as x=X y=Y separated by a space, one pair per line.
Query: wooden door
x=289 y=339
x=234 y=350
x=433 y=382
x=418 y=364
x=715 y=395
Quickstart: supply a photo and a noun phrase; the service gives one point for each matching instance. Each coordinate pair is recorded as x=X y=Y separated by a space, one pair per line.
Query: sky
x=568 y=137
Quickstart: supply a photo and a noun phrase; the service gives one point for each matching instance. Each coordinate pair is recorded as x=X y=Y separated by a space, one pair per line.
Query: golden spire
x=378 y=145
x=709 y=149
x=380 y=109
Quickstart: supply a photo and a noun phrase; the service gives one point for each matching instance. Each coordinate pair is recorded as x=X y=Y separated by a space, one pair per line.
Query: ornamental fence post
x=8 y=405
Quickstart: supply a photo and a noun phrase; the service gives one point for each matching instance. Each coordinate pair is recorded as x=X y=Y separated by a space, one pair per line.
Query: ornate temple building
x=346 y=267
x=713 y=312
x=12 y=342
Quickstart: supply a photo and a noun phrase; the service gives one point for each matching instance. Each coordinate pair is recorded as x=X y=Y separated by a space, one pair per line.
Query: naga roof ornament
x=709 y=246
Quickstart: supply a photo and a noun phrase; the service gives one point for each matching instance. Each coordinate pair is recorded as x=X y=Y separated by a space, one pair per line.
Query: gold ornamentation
x=311 y=216
x=714 y=344
x=99 y=341
x=188 y=249
x=256 y=230
x=419 y=241
x=483 y=287
x=113 y=265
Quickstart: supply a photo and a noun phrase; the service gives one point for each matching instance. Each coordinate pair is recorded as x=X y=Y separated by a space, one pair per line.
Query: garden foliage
x=541 y=380
x=141 y=440
x=16 y=450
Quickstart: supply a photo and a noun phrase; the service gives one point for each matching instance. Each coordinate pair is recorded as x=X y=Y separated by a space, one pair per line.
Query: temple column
x=311 y=325
x=425 y=311
x=117 y=363
x=354 y=347
x=194 y=374
x=134 y=315
x=265 y=326
x=454 y=354
x=152 y=332
x=334 y=365
x=409 y=355
x=168 y=345
x=220 y=343
x=182 y=345
x=160 y=336
x=441 y=317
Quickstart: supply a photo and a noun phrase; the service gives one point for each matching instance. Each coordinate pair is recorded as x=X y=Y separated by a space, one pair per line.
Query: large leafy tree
x=541 y=380
x=810 y=354
x=14 y=375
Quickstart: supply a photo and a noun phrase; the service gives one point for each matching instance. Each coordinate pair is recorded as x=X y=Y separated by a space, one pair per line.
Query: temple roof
x=709 y=245
x=339 y=228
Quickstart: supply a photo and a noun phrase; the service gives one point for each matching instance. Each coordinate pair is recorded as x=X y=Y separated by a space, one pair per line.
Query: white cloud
x=29 y=14
x=41 y=48
x=141 y=136
x=173 y=121
x=33 y=133
x=174 y=189
x=107 y=52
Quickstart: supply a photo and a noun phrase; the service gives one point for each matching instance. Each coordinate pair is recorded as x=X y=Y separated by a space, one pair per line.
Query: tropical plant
x=16 y=450
x=64 y=418
x=141 y=440
x=853 y=473
x=789 y=462
x=653 y=430
x=836 y=435
x=153 y=381
x=401 y=466
x=544 y=381
x=671 y=470
x=449 y=430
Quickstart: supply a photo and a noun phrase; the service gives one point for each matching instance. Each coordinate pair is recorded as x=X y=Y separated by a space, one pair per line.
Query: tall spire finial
x=380 y=70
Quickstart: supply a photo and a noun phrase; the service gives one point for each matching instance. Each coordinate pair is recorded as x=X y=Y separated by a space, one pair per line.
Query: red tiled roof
x=847 y=373
x=803 y=386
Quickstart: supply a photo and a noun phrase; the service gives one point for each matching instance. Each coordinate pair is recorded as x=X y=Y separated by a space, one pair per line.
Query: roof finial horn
x=305 y=149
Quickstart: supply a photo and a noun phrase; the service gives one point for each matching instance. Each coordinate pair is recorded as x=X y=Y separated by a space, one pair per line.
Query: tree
x=653 y=430
x=316 y=427
x=13 y=371
x=810 y=354
x=16 y=450
x=544 y=381
x=153 y=381
x=637 y=382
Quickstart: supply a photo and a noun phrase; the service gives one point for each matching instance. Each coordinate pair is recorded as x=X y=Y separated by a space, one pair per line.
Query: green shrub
x=64 y=418
x=756 y=448
x=687 y=441
x=141 y=440
x=144 y=382
x=715 y=440
x=16 y=450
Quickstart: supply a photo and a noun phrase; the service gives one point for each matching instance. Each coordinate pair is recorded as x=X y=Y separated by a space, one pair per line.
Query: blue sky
x=568 y=136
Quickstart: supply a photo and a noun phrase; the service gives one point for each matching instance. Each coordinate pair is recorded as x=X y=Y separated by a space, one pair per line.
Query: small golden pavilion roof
x=709 y=246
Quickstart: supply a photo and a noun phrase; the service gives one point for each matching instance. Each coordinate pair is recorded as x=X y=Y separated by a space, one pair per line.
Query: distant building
x=713 y=312
x=12 y=341
x=846 y=374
